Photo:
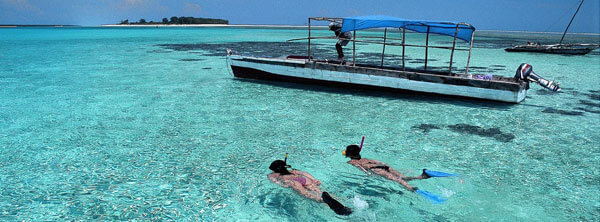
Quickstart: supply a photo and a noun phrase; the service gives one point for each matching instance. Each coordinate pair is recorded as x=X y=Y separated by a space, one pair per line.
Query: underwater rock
x=562 y=112
x=425 y=128
x=493 y=132
x=589 y=103
x=588 y=110
x=264 y=49
x=191 y=60
x=478 y=68
x=545 y=92
x=159 y=51
x=593 y=96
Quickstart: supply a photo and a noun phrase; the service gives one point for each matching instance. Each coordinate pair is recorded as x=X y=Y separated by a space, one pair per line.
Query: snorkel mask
x=280 y=166
x=353 y=150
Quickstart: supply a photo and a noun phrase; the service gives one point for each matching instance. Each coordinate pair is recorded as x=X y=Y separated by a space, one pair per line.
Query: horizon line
x=254 y=25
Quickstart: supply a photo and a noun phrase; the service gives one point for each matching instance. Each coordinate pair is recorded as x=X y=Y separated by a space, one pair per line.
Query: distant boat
x=567 y=49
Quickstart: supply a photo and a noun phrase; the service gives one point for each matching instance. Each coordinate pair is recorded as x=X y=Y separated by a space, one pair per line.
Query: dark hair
x=353 y=151
x=278 y=166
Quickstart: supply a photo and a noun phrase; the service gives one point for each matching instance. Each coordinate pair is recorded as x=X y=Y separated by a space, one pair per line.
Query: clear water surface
x=148 y=123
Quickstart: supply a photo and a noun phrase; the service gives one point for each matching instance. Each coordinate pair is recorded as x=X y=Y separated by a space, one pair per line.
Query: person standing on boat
x=305 y=184
x=344 y=38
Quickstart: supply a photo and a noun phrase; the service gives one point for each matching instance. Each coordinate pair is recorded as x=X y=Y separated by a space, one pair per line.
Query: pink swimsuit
x=300 y=180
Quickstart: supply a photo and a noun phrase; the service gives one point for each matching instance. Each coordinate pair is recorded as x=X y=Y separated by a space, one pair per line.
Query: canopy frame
x=456 y=27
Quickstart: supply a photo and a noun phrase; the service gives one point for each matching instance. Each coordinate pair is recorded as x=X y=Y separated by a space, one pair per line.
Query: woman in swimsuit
x=379 y=168
x=300 y=181
x=305 y=184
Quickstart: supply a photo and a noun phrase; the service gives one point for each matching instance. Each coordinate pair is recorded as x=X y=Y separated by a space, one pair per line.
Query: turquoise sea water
x=148 y=123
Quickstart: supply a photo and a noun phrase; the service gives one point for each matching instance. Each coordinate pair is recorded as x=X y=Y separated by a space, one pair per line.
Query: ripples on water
x=125 y=124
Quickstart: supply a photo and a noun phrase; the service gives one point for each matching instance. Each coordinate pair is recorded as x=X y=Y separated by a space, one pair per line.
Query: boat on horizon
x=308 y=70
x=566 y=49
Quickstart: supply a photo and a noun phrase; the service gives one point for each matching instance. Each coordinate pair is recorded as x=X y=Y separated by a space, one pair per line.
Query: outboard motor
x=525 y=73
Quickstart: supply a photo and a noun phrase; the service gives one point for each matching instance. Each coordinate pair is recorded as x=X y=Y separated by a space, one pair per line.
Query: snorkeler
x=379 y=168
x=305 y=184
x=382 y=169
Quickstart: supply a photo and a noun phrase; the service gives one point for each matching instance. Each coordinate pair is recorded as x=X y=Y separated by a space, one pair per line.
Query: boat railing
x=381 y=43
x=386 y=43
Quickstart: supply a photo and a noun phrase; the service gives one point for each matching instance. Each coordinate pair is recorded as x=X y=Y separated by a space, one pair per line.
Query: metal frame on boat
x=306 y=69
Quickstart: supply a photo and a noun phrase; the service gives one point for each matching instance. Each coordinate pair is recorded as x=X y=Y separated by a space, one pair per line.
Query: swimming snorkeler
x=305 y=184
x=379 y=168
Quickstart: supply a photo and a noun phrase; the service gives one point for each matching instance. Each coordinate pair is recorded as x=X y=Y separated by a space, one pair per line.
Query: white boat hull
x=304 y=71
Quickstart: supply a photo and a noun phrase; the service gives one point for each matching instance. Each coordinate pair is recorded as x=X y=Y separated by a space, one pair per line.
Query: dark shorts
x=345 y=35
x=343 y=42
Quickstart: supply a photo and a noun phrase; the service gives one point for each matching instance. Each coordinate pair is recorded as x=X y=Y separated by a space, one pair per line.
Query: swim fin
x=336 y=206
x=431 y=196
x=431 y=173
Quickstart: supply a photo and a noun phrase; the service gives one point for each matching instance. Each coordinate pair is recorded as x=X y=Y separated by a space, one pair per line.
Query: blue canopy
x=381 y=21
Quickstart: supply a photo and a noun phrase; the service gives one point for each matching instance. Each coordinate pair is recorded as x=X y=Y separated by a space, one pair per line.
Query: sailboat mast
x=563 y=36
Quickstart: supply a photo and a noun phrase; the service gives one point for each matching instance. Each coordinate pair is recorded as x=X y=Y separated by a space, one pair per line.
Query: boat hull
x=310 y=72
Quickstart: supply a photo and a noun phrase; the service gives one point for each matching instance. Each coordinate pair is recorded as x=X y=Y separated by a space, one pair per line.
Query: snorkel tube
x=285 y=161
x=361 y=143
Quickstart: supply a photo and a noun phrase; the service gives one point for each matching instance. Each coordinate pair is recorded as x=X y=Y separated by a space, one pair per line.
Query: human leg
x=340 y=52
x=420 y=177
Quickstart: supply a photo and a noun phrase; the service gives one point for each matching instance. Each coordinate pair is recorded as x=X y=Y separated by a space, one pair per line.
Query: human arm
x=274 y=177
x=358 y=165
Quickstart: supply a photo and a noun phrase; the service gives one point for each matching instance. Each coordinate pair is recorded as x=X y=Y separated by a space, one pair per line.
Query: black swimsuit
x=386 y=168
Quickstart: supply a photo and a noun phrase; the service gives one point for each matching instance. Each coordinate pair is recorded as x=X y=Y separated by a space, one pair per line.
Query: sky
x=515 y=15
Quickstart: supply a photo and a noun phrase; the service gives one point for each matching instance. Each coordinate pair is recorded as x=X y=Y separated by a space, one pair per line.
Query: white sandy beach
x=304 y=26
x=209 y=25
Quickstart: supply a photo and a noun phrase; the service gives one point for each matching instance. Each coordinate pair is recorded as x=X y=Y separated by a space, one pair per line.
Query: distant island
x=177 y=21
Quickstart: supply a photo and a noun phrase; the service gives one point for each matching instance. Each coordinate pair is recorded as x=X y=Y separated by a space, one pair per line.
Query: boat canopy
x=465 y=30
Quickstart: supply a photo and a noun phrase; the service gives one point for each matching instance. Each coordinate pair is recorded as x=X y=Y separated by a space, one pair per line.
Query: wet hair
x=353 y=151
x=278 y=166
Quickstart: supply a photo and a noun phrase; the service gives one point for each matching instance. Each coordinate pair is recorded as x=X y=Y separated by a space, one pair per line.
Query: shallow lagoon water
x=148 y=123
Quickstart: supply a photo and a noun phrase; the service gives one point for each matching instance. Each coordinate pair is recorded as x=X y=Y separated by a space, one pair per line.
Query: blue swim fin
x=432 y=173
x=431 y=196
